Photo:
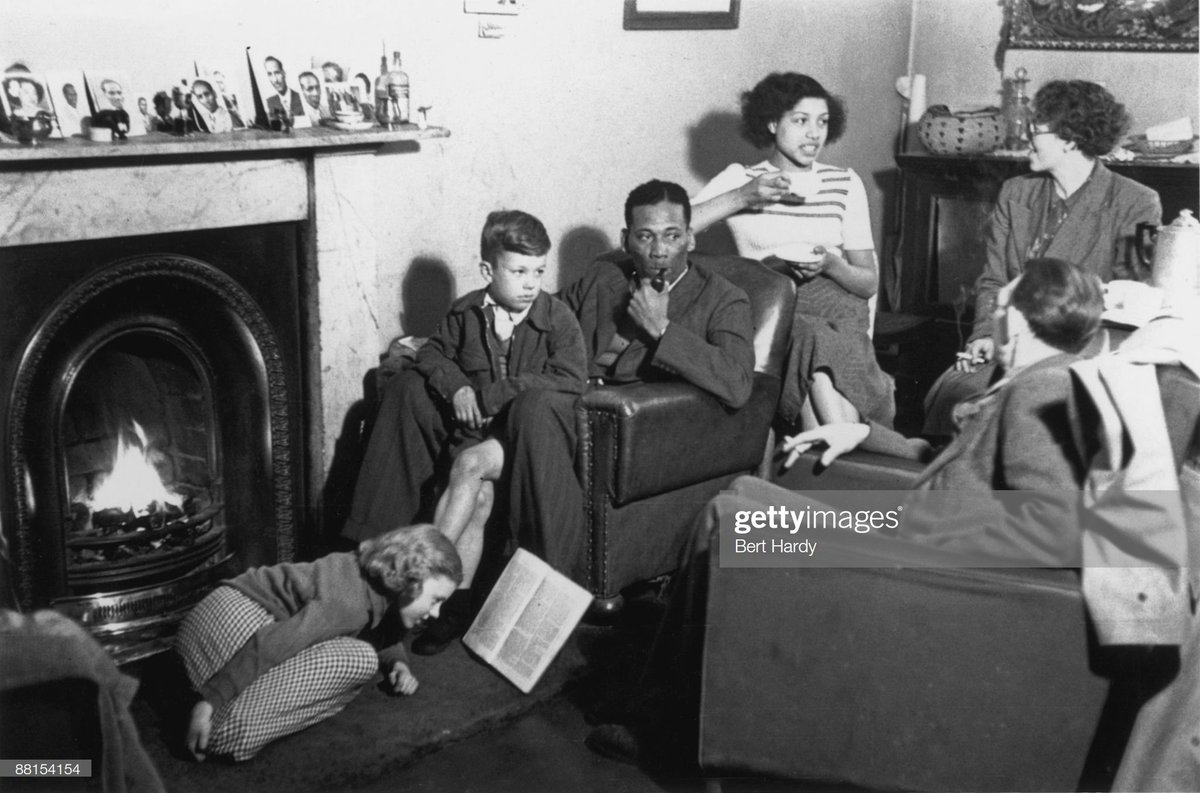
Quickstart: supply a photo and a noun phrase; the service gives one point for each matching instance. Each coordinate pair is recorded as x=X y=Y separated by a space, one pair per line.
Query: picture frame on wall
x=1130 y=25
x=681 y=14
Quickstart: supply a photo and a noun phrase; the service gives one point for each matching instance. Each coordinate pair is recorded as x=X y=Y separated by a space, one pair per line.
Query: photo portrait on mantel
x=1134 y=25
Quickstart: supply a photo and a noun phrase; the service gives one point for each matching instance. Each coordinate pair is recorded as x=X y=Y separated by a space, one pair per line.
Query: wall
x=956 y=47
x=561 y=118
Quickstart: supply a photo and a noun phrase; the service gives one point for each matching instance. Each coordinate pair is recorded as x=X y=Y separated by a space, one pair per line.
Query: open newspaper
x=526 y=619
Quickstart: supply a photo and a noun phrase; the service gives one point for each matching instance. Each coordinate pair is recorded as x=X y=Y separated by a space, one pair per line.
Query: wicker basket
x=960 y=133
x=1142 y=145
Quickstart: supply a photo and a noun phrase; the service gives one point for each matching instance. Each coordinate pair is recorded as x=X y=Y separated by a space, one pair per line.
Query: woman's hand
x=977 y=353
x=837 y=438
x=766 y=188
x=199 y=726
x=823 y=260
x=401 y=679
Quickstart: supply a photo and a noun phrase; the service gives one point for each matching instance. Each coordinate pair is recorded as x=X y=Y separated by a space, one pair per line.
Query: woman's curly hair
x=775 y=95
x=402 y=560
x=1081 y=112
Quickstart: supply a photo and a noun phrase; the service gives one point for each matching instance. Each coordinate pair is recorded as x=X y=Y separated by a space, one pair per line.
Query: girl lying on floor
x=280 y=648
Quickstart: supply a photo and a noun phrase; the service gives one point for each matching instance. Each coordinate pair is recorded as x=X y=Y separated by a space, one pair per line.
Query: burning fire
x=134 y=484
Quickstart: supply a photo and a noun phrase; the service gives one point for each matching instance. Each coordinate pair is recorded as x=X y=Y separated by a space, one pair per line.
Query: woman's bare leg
x=808 y=417
x=828 y=403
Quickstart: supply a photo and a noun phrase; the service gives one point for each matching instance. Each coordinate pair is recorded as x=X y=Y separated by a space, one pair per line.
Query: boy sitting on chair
x=494 y=343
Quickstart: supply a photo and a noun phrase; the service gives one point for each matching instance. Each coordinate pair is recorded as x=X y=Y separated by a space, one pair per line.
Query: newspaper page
x=526 y=619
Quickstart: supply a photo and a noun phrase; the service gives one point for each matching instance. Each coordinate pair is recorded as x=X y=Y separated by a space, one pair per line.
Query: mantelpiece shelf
x=223 y=145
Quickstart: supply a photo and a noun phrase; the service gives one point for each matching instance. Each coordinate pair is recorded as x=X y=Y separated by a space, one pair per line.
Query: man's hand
x=648 y=308
x=199 y=727
x=401 y=679
x=977 y=353
x=466 y=408
x=837 y=439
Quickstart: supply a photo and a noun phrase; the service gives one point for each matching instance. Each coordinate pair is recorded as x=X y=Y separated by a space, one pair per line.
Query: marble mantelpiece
x=321 y=179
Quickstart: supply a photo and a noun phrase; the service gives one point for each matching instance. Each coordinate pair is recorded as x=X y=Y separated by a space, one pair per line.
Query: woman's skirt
x=829 y=333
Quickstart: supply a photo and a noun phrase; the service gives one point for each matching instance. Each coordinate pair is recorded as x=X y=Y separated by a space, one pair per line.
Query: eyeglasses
x=1032 y=129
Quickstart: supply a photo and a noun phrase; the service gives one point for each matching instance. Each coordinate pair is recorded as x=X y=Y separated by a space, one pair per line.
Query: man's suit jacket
x=1016 y=436
x=275 y=103
x=709 y=340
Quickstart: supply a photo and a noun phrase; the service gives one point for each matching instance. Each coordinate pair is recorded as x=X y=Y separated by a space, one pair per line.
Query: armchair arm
x=650 y=438
x=856 y=470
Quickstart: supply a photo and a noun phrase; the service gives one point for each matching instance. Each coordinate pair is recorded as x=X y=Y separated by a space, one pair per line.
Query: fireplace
x=155 y=421
x=203 y=307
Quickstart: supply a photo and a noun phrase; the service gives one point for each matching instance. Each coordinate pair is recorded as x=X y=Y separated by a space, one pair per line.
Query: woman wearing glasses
x=1070 y=206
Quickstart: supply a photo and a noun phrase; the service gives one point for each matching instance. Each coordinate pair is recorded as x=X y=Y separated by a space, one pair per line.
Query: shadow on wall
x=427 y=291
x=578 y=248
x=714 y=143
x=349 y=448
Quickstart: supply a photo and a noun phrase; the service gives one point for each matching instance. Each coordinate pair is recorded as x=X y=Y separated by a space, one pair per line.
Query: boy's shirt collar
x=506 y=321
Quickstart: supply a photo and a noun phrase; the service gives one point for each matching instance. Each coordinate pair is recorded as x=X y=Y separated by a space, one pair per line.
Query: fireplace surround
x=177 y=285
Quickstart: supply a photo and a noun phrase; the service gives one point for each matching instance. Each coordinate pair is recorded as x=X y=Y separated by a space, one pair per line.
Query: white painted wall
x=562 y=118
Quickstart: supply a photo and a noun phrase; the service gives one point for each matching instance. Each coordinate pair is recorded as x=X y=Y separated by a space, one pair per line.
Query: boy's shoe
x=451 y=624
x=614 y=741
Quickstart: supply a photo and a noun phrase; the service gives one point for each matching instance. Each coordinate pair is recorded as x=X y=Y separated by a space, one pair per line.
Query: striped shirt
x=835 y=215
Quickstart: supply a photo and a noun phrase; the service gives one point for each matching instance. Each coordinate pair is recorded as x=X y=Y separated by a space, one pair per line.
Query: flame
x=134 y=483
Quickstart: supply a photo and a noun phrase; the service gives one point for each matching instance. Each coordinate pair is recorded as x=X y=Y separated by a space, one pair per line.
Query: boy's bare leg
x=464 y=508
x=470 y=542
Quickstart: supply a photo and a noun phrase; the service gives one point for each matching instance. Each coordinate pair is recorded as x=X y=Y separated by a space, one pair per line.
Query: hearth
x=156 y=423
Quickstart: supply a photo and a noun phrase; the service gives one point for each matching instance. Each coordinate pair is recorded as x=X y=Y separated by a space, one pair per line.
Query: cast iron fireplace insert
x=166 y=369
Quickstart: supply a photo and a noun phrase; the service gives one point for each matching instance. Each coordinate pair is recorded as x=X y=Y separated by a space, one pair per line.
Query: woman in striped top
x=814 y=217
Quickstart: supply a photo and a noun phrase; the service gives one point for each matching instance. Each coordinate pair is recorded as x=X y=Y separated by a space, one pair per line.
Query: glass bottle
x=1017 y=113
x=397 y=91
x=381 y=91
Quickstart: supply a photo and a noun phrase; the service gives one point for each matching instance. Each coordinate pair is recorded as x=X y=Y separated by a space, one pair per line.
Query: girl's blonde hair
x=401 y=560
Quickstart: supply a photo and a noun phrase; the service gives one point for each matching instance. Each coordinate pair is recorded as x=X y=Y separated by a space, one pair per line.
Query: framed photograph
x=228 y=93
x=109 y=89
x=681 y=14
x=277 y=87
x=362 y=87
x=69 y=97
x=312 y=94
x=141 y=114
x=1132 y=25
x=24 y=94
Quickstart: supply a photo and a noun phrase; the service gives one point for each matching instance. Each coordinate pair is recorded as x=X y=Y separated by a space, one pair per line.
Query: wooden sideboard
x=945 y=202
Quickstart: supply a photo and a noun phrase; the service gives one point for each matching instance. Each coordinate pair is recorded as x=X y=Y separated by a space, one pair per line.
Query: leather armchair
x=651 y=455
x=875 y=675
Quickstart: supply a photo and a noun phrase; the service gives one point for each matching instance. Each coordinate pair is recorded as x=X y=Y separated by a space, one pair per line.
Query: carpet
x=459 y=696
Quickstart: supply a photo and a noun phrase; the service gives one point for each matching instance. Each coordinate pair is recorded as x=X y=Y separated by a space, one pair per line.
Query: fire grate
x=112 y=547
